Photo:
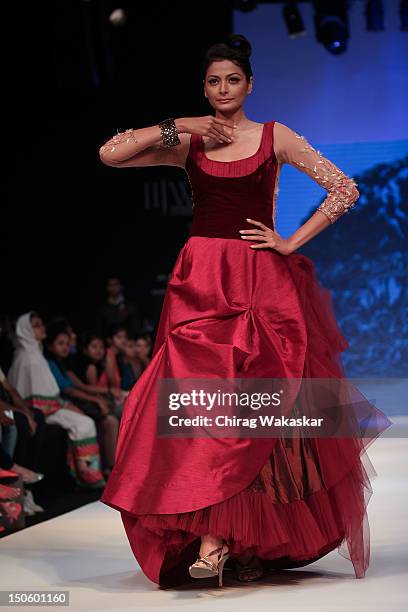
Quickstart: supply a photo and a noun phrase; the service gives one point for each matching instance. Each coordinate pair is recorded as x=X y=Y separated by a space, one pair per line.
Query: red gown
x=231 y=311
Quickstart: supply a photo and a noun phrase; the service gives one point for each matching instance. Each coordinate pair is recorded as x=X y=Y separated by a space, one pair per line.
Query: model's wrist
x=292 y=243
x=180 y=125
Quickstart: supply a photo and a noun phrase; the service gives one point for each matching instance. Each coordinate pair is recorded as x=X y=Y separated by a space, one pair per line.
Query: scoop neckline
x=219 y=161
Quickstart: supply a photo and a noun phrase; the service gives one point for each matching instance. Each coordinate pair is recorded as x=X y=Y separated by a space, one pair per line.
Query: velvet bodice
x=226 y=193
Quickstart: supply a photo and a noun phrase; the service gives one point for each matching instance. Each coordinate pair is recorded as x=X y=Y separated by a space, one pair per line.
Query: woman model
x=240 y=302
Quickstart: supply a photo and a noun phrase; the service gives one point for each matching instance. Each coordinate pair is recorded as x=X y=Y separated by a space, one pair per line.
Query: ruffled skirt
x=230 y=312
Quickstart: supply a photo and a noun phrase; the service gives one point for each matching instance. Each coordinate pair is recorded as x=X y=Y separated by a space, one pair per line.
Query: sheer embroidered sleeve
x=119 y=148
x=294 y=149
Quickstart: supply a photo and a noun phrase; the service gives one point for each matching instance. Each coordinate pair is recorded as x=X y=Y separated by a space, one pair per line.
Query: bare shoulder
x=286 y=130
x=283 y=134
x=281 y=127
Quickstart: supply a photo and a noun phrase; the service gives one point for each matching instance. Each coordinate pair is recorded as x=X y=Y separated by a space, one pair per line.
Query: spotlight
x=374 y=13
x=331 y=24
x=293 y=20
x=118 y=17
x=404 y=15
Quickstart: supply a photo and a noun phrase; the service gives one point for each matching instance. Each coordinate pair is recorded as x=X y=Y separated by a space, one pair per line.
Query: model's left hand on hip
x=269 y=238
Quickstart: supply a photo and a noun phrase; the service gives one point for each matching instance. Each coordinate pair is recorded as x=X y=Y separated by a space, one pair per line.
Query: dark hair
x=88 y=337
x=115 y=328
x=140 y=335
x=53 y=331
x=52 y=334
x=236 y=48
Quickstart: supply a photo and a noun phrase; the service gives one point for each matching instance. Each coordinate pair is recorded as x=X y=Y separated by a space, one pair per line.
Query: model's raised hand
x=216 y=128
x=144 y=146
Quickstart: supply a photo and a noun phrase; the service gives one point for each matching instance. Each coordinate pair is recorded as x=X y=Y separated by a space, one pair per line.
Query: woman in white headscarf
x=30 y=374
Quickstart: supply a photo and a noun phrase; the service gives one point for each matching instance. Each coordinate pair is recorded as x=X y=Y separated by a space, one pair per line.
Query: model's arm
x=142 y=147
x=342 y=191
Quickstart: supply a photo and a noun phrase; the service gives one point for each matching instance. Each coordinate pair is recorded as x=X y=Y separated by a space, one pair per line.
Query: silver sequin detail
x=118 y=138
x=342 y=189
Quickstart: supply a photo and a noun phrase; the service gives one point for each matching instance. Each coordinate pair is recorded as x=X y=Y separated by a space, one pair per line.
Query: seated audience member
x=90 y=363
x=134 y=359
x=90 y=367
x=31 y=375
x=143 y=348
x=116 y=341
x=62 y=323
x=88 y=397
x=117 y=309
x=7 y=461
x=12 y=494
x=29 y=426
x=9 y=468
x=6 y=343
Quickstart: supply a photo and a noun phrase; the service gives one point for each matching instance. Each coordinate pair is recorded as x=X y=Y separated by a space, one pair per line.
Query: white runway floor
x=86 y=553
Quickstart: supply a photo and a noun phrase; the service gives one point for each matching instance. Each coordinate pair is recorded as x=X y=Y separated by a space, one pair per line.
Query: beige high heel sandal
x=209 y=568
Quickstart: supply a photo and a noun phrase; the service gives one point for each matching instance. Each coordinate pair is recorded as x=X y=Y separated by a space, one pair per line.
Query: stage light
x=374 y=13
x=118 y=17
x=293 y=20
x=331 y=25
